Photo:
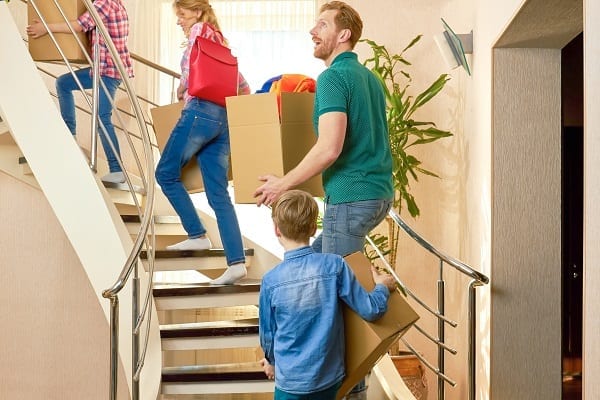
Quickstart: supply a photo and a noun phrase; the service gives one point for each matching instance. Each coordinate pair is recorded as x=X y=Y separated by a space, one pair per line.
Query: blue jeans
x=345 y=226
x=66 y=84
x=327 y=394
x=202 y=132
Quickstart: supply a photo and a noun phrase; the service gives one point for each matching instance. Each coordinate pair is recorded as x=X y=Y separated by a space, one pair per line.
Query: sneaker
x=192 y=244
x=231 y=275
x=114 y=177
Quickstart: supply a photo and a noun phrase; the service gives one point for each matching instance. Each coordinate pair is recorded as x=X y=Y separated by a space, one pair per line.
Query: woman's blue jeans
x=345 y=226
x=202 y=132
x=66 y=84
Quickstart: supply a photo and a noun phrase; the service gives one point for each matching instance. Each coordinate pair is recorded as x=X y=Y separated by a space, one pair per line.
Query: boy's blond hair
x=295 y=214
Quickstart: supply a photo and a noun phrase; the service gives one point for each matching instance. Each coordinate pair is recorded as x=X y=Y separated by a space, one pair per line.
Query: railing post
x=441 y=331
x=135 y=336
x=95 y=97
x=472 y=356
x=114 y=346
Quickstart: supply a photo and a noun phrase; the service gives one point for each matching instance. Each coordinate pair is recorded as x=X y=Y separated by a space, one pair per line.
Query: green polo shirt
x=363 y=171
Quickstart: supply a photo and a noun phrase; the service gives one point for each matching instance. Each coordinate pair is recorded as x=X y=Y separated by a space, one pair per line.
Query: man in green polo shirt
x=352 y=151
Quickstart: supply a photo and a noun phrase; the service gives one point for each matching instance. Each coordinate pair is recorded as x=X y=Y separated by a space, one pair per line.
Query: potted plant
x=404 y=131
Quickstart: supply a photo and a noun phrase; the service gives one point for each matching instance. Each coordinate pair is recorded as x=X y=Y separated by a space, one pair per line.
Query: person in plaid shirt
x=115 y=19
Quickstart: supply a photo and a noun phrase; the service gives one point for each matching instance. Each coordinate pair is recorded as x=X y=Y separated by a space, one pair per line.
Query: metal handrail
x=478 y=279
x=146 y=214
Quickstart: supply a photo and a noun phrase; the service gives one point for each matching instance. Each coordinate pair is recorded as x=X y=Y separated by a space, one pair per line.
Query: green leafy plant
x=404 y=131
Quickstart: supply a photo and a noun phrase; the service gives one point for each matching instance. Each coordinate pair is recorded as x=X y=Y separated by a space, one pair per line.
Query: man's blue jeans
x=345 y=226
x=66 y=84
x=202 y=132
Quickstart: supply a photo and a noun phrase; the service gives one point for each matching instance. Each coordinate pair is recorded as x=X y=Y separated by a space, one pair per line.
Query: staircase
x=205 y=344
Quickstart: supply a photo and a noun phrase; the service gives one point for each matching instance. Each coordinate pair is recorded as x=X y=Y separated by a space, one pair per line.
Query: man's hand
x=270 y=191
x=384 y=279
x=36 y=29
x=268 y=368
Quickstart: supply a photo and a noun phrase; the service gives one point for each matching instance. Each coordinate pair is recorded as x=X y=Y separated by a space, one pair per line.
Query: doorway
x=572 y=217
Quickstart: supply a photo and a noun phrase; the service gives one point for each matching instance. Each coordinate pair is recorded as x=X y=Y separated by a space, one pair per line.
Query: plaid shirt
x=196 y=29
x=115 y=19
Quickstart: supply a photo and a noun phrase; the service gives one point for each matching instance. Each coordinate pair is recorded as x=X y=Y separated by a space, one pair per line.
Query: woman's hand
x=36 y=29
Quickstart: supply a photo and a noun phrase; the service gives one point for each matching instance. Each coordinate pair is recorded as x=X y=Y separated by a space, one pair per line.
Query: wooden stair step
x=209 y=253
x=210 y=335
x=204 y=295
x=210 y=329
x=210 y=379
x=179 y=260
x=219 y=372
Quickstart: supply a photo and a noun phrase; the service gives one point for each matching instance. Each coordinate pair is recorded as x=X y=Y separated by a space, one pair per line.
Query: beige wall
x=526 y=218
x=54 y=333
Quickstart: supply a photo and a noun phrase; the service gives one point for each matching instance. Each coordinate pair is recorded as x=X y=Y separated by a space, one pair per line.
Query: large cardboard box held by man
x=43 y=48
x=263 y=143
x=367 y=342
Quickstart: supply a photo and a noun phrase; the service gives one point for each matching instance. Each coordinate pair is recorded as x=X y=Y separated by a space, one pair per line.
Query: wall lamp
x=454 y=47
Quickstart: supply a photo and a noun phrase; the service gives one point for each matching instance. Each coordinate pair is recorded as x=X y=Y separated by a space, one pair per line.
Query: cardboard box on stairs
x=263 y=143
x=43 y=48
x=367 y=342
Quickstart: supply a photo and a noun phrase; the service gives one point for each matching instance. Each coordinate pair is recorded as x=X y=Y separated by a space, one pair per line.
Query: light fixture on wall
x=454 y=47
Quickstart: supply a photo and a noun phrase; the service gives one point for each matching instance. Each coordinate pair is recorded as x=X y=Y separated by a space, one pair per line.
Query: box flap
x=255 y=109
x=297 y=107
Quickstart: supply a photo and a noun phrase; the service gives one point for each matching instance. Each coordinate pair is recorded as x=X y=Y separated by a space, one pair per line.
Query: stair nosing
x=242 y=327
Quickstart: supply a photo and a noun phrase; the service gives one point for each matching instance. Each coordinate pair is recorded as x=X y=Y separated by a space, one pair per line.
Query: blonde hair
x=295 y=214
x=208 y=14
x=346 y=18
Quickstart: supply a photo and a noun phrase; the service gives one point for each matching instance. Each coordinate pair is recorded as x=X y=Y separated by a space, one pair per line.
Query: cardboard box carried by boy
x=367 y=342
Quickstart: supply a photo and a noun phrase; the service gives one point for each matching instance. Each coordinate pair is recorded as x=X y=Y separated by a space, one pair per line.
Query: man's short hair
x=295 y=214
x=346 y=18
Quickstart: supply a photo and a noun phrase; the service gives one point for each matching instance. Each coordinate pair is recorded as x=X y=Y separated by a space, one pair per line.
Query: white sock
x=231 y=275
x=114 y=177
x=192 y=244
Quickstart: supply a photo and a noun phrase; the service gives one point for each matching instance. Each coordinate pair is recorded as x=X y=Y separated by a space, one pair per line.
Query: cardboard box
x=43 y=49
x=262 y=143
x=367 y=342
x=164 y=119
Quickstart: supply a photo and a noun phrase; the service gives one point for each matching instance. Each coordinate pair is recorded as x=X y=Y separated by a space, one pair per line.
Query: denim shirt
x=301 y=325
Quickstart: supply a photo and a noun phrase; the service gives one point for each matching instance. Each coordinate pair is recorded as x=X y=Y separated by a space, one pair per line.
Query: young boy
x=301 y=326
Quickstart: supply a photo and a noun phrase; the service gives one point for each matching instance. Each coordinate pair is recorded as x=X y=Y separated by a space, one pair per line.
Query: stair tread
x=166 y=254
x=210 y=328
x=219 y=372
x=158 y=219
x=195 y=289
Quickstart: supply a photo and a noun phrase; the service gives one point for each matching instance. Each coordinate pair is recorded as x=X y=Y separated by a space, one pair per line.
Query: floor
x=571 y=378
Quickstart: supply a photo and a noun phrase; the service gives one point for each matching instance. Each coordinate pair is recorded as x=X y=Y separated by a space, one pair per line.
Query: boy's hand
x=268 y=368
x=36 y=29
x=384 y=279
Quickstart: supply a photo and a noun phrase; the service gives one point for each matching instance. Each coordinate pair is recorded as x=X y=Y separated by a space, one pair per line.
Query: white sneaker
x=231 y=275
x=114 y=177
x=192 y=244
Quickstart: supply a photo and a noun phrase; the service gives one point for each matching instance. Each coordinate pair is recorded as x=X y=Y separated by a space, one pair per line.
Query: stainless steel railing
x=141 y=305
x=477 y=279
